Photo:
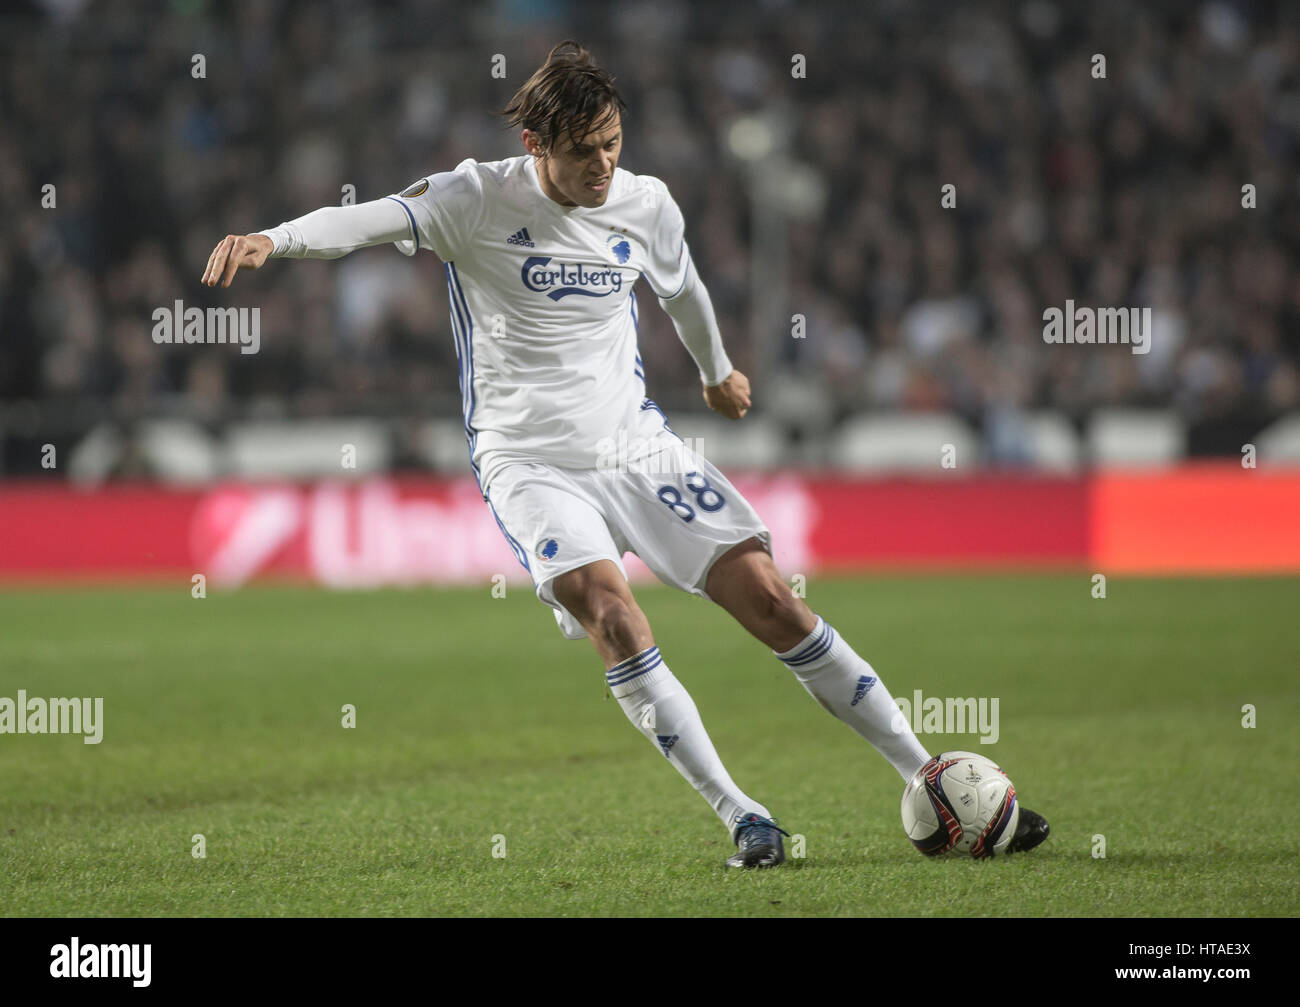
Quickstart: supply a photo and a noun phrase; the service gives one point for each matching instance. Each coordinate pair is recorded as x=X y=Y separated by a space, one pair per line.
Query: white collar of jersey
x=530 y=168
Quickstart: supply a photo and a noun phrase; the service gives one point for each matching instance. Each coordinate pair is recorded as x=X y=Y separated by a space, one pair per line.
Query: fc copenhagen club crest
x=618 y=248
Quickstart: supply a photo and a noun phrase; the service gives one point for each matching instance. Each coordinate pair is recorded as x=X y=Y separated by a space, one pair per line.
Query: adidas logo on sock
x=666 y=741
x=520 y=237
x=864 y=686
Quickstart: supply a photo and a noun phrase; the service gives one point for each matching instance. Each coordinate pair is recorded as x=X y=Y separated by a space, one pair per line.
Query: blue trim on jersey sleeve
x=669 y=297
x=685 y=273
x=415 y=233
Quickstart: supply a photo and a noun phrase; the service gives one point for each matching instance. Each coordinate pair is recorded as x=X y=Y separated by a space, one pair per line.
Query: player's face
x=580 y=175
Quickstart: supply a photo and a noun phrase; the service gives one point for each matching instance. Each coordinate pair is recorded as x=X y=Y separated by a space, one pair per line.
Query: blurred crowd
x=1122 y=190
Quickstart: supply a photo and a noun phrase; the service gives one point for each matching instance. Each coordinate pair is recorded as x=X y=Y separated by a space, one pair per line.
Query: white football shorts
x=672 y=508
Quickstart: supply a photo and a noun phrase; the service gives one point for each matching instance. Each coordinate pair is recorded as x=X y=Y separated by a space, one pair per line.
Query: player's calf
x=746 y=583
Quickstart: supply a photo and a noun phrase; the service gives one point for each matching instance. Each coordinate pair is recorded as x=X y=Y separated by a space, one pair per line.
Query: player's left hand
x=731 y=398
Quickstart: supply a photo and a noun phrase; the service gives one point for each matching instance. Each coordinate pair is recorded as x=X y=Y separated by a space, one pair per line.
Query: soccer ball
x=960 y=803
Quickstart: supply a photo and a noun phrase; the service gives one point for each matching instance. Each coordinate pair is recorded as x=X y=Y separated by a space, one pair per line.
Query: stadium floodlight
x=751 y=137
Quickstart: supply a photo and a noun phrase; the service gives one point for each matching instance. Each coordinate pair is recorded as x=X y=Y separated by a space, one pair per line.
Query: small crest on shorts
x=415 y=188
x=547 y=548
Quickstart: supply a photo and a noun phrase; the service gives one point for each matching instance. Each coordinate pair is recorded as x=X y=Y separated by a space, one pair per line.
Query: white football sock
x=849 y=688
x=660 y=708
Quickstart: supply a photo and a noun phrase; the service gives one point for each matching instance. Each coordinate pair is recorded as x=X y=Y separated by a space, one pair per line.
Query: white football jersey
x=542 y=309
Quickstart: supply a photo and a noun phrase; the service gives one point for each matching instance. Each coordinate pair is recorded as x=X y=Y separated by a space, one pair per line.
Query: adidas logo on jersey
x=520 y=237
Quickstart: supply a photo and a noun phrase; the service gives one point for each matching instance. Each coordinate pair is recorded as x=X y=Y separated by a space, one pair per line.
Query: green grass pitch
x=475 y=719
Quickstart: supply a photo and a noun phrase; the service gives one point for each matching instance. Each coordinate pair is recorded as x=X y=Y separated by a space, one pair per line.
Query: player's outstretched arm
x=327 y=233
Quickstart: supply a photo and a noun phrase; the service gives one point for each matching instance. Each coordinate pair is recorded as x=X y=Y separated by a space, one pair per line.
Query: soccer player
x=577 y=465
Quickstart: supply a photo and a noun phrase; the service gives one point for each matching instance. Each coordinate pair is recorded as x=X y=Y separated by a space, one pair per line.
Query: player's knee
x=778 y=605
x=613 y=616
x=609 y=610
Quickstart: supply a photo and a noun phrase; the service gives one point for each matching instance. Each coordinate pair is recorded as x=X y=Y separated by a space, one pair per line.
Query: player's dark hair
x=569 y=93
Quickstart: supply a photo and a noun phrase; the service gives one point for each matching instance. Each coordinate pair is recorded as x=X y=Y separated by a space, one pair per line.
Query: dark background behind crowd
x=1123 y=191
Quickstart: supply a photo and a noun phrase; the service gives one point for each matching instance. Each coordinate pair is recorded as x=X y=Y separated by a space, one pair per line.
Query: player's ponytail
x=569 y=93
